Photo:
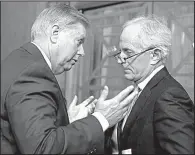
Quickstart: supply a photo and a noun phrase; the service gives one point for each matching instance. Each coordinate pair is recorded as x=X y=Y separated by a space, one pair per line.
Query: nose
x=81 y=51
x=119 y=61
x=120 y=58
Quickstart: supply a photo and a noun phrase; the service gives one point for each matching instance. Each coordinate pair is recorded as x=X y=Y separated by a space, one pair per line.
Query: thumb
x=104 y=94
x=74 y=102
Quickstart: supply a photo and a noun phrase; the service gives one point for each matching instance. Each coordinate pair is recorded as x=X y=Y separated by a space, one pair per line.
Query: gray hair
x=63 y=15
x=154 y=33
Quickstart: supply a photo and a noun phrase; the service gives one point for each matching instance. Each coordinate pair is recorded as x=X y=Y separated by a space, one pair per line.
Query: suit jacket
x=161 y=121
x=34 y=117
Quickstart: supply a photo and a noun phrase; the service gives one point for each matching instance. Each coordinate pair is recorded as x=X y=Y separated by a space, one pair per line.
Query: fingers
x=94 y=103
x=104 y=94
x=129 y=99
x=91 y=106
x=115 y=104
x=74 y=101
x=90 y=109
x=124 y=93
x=124 y=113
x=87 y=101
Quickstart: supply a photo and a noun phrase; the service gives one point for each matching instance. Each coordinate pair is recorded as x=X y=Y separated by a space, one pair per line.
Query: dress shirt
x=104 y=123
x=141 y=86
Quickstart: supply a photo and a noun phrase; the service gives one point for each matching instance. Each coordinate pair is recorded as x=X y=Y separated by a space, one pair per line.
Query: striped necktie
x=119 y=127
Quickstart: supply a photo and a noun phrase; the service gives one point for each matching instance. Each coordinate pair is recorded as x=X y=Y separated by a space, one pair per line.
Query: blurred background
x=95 y=70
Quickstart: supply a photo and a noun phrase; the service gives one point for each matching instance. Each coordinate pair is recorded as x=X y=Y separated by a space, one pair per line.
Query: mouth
x=128 y=71
x=72 y=61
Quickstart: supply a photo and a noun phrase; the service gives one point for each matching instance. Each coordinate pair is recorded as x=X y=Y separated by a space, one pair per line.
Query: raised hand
x=76 y=112
x=116 y=108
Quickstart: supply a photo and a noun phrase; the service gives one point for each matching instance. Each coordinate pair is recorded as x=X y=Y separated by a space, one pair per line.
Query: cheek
x=142 y=66
x=61 y=53
x=70 y=51
x=139 y=66
x=64 y=53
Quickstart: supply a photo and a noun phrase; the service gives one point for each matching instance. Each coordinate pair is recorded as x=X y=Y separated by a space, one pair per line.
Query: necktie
x=119 y=127
x=119 y=135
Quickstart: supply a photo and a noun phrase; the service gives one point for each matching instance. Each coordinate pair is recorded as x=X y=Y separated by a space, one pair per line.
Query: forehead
x=129 y=35
x=78 y=30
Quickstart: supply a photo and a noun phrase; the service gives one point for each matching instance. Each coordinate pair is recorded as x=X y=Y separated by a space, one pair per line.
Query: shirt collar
x=44 y=55
x=142 y=84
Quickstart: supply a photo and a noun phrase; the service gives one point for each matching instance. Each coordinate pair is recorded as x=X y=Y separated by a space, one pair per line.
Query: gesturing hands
x=116 y=108
x=113 y=109
x=76 y=112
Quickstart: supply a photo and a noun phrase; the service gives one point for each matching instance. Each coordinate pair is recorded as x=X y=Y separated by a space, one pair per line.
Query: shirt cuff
x=104 y=123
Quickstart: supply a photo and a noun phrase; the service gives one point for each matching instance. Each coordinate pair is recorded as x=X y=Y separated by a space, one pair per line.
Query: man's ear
x=155 y=56
x=54 y=34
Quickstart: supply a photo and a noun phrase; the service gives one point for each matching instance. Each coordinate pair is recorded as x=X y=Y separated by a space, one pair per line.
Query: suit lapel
x=143 y=101
x=137 y=108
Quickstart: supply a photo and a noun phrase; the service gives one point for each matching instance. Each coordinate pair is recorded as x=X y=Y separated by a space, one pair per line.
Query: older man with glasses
x=161 y=118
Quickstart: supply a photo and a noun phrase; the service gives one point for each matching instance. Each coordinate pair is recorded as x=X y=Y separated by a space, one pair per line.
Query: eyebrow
x=128 y=50
x=125 y=48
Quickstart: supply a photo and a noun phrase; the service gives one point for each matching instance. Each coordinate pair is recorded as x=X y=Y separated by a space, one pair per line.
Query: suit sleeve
x=174 y=122
x=32 y=112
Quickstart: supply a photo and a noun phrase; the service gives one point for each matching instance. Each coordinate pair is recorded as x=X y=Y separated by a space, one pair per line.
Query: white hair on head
x=63 y=15
x=154 y=32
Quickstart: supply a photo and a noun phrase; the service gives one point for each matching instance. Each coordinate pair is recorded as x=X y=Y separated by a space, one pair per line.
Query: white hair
x=154 y=32
x=63 y=15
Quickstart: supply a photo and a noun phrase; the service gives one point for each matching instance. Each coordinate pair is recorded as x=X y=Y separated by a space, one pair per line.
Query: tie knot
x=138 y=89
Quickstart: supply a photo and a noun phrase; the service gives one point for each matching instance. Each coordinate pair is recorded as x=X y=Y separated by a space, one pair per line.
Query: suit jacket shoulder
x=174 y=119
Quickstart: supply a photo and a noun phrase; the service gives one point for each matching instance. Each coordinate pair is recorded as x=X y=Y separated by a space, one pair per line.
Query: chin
x=67 y=68
x=129 y=77
x=59 y=70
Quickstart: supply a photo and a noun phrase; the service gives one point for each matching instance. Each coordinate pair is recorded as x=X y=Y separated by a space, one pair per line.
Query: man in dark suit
x=34 y=117
x=161 y=119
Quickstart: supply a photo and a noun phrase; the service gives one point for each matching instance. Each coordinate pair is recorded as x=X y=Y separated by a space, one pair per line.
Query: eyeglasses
x=116 y=53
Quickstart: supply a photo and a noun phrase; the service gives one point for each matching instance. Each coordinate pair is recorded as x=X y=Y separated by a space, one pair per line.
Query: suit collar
x=44 y=55
x=142 y=84
x=36 y=53
x=157 y=78
x=33 y=50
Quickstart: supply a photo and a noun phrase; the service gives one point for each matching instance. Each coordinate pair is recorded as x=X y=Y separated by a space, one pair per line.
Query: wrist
x=103 y=121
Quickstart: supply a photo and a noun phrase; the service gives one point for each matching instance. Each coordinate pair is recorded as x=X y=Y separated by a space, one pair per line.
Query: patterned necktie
x=119 y=127
x=119 y=135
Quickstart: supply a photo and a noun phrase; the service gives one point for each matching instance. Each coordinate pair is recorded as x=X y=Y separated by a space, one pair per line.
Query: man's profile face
x=68 y=49
x=137 y=67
